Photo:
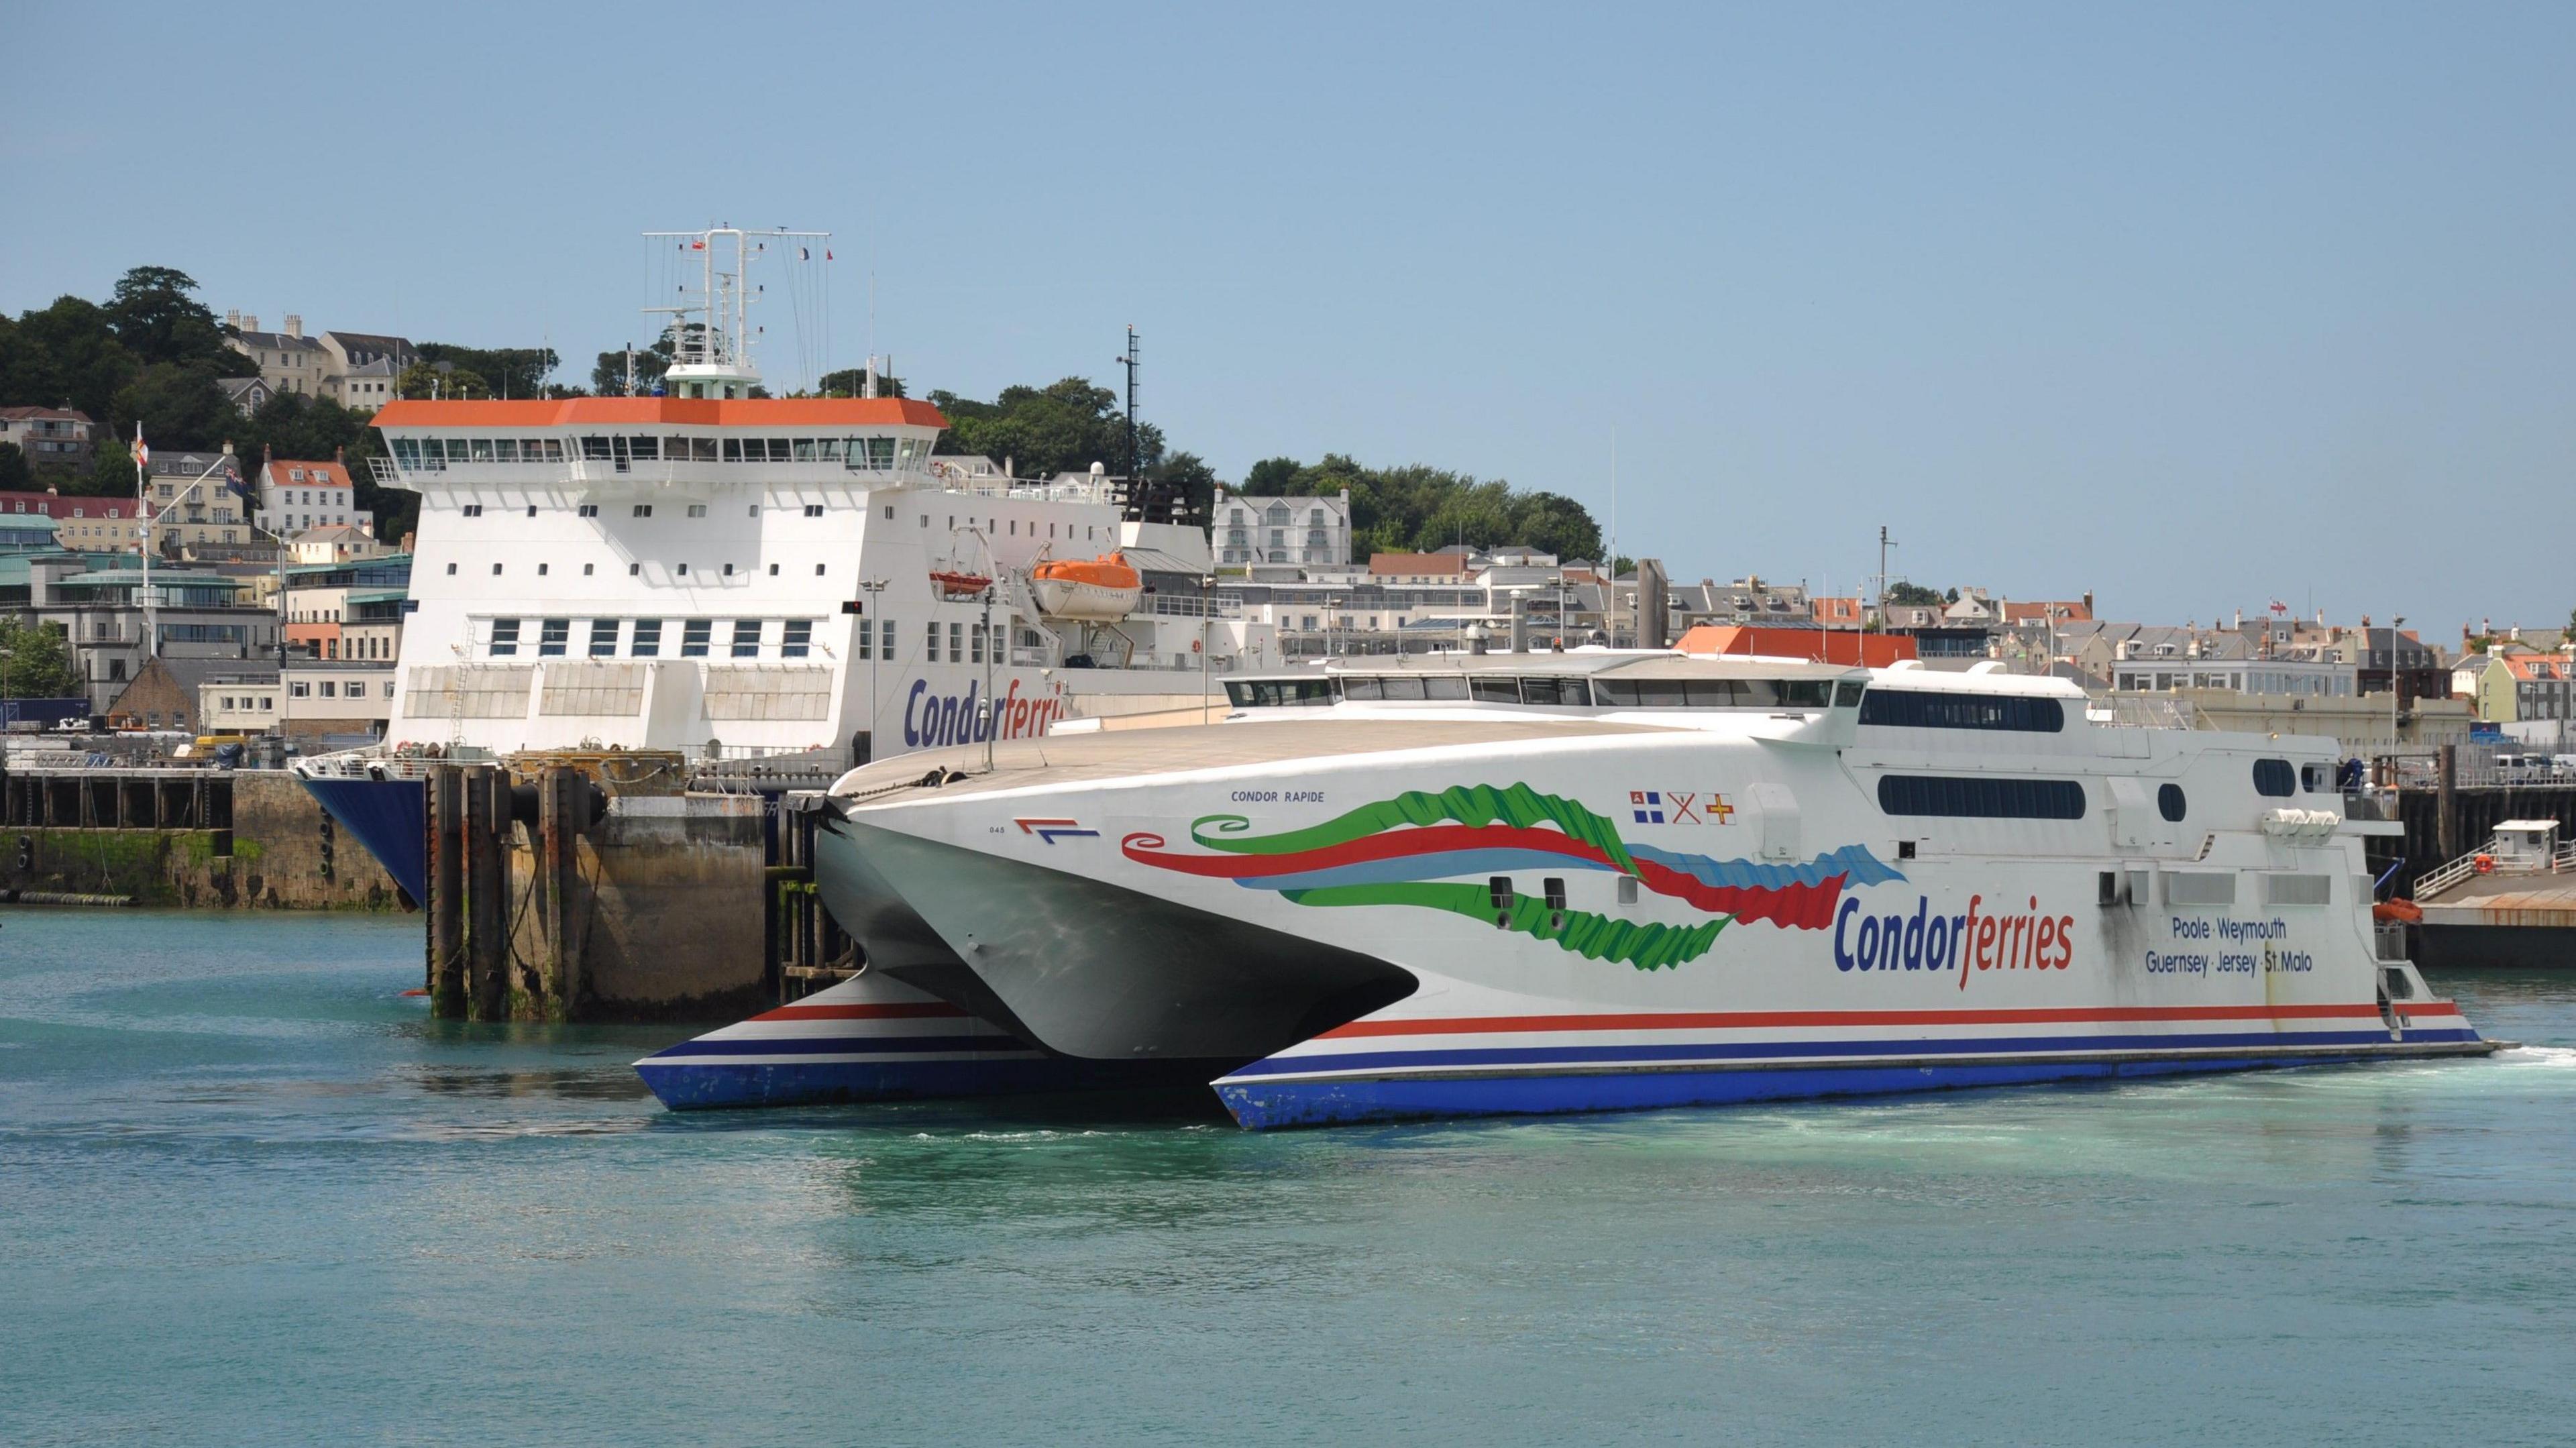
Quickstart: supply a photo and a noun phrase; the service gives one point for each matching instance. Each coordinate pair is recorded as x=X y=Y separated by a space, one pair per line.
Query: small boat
x=956 y=585
x=1105 y=588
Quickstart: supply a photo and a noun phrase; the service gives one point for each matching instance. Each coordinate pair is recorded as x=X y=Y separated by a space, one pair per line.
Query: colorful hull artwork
x=1406 y=851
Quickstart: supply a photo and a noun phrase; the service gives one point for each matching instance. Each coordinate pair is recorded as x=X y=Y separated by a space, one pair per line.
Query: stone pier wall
x=271 y=848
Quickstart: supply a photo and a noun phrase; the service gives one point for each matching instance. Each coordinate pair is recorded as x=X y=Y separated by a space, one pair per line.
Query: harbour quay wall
x=192 y=838
x=552 y=901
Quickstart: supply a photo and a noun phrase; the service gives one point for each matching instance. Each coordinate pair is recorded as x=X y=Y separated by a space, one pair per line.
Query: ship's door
x=1777 y=808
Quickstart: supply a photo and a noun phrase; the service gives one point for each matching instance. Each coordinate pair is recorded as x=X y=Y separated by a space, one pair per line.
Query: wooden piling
x=446 y=903
x=563 y=816
x=487 y=886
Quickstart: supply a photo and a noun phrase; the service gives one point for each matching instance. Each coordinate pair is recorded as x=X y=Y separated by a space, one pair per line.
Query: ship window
x=1401 y=686
x=532 y=510
x=697 y=510
x=818 y=570
x=505 y=449
x=830 y=449
x=1805 y=693
x=587 y=510
x=1549 y=689
x=885 y=637
x=1494 y=689
x=648 y=639
x=746 y=638
x=773 y=570
x=728 y=570
x=482 y=449
x=2273 y=777
x=813 y=510
x=889 y=512
x=2169 y=802
x=976 y=637
x=681 y=569
x=541 y=569
x=1981 y=798
x=496 y=570
x=1362 y=686
x=1915 y=709
x=2317 y=778
x=866 y=638
x=781 y=450
x=956 y=642
x=595 y=449
x=473 y=510
x=505 y=637
x=540 y=449
x=1499 y=891
x=932 y=654
x=805 y=449
x=755 y=450
x=693 y=637
x=798 y=640
x=643 y=510
x=701 y=449
x=553 y=635
x=585 y=570
x=733 y=449
x=451 y=568
x=1444 y=686
x=633 y=569
x=645 y=448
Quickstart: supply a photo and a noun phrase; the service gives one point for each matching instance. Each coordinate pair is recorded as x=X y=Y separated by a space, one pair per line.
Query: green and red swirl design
x=1409 y=850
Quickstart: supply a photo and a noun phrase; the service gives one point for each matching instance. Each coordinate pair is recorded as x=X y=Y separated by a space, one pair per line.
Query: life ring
x=2486 y=864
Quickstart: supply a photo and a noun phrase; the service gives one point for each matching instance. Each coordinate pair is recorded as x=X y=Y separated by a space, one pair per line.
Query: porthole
x=2169 y=802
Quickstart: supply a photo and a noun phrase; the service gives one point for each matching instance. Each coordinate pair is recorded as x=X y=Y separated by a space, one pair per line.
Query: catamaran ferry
x=721 y=575
x=1590 y=881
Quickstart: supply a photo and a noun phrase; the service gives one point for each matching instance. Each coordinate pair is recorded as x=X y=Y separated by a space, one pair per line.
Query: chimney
x=232 y=318
x=250 y=322
x=294 y=325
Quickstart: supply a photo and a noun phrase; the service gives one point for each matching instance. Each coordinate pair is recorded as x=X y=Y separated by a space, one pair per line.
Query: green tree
x=1415 y=508
x=15 y=475
x=852 y=382
x=507 y=371
x=110 y=475
x=1271 y=477
x=1914 y=594
x=1061 y=428
x=34 y=664
x=427 y=379
x=65 y=354
x=178 y=407
x=158 y=318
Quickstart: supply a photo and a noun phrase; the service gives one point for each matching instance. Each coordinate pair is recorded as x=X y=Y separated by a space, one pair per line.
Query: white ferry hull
x=1582 y=938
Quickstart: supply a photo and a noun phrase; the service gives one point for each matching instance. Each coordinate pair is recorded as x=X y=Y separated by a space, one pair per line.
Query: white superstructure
x=720 y=573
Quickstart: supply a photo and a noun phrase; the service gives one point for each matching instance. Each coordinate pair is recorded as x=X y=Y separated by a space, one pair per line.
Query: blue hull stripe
x=689 y=1087
x=1470 y=1058
x=1261 y=1105
x=838 y=1046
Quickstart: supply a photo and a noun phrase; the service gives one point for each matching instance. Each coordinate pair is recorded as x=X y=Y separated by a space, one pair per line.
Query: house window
x=330 y=689
x=299 y=689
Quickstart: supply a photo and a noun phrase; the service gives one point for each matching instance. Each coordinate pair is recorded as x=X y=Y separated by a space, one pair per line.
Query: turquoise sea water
x=250 y=1194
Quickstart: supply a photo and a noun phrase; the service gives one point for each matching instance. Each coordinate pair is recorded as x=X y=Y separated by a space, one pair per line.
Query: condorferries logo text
x=1980 y=939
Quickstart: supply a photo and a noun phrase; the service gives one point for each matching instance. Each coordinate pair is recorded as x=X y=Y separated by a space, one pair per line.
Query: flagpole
x=143 y=509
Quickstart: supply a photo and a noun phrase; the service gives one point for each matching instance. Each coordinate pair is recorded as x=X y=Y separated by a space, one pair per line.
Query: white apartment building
x=1305 y=532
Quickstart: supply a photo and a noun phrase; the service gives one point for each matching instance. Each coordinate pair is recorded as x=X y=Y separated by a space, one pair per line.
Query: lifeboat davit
x=1102 y=588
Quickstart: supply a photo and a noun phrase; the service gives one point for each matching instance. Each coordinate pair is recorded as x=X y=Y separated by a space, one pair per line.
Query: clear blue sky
x=2190 y=306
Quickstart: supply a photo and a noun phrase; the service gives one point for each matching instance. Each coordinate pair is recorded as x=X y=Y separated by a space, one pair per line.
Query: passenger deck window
x=1401 y=686
x=1847 y=693
x=1444 y=686
x=1361 y=686
x=2274 y=778
x=1917 y=709
x=1494 y=689
x=1973 y=797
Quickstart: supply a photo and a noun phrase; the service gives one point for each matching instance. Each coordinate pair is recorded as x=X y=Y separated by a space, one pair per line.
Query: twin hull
x=1561 y=927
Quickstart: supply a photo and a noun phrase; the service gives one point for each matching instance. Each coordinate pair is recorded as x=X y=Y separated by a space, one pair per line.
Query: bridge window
x=1972 y=797
x=2275 y=779
x=1913 y=709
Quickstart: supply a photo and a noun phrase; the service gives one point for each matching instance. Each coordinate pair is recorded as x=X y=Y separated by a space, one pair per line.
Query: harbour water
x=249 y=1192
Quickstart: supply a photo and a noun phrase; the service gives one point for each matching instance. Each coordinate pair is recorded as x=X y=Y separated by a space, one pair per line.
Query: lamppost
x=874 y=588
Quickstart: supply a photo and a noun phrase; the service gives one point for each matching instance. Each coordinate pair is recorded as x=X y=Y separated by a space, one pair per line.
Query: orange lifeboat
x=956 y=585
x=1102 y=588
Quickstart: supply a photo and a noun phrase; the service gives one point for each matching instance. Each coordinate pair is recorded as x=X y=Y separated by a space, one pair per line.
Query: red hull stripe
x=1761 y=1020
x=911 y=1012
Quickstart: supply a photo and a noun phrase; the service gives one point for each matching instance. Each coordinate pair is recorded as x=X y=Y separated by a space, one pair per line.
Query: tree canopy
x=1061 y=428
x=1915 y=594
x=34 y=664
x=1420 y=509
